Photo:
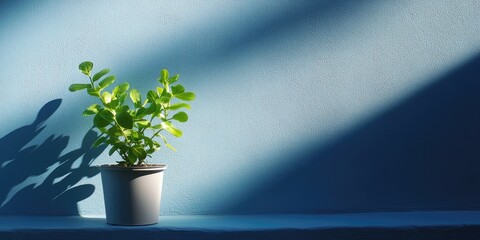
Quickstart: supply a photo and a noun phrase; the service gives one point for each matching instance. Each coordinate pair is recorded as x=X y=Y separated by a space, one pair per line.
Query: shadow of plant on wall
x=39 y=179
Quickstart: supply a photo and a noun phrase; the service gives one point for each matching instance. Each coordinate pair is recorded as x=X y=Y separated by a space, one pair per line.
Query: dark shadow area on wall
x=423 y=154
x=18 y=8
x=40 y=179
x=6 y=5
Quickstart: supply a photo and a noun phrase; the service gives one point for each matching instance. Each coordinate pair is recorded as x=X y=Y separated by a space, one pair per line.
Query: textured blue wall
x=302 y=106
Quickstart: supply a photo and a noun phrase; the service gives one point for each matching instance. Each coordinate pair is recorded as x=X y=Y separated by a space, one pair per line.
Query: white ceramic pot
x=132 y=194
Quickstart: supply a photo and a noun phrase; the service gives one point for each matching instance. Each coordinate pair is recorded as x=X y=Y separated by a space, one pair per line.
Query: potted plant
x=132 y=186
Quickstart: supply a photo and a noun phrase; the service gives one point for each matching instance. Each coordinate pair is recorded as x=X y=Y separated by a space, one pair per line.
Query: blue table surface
x=254 y=222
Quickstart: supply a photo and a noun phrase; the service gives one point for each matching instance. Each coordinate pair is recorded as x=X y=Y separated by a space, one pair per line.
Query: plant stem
x=91 y=81
x=155 y=134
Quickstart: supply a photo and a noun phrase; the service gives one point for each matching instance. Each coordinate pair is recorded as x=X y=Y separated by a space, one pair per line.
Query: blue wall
x=302 y=106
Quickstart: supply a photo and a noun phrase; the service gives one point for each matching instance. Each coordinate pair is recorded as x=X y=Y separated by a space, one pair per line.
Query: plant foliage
x=133 y=130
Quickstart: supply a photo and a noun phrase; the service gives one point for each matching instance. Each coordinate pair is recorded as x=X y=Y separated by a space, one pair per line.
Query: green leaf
x=170 y=146
x=121 y=99
x=107 y=115
x=178 y=106
x=165 y=97
x=78 y=86
x=173 y=79
x=100 y=74
x=151 y=150
x=112 y=150
x=120 y=89
x=127 y=132
x=93 y=92
x=186 y=96
x=143 y=123
x=159 y=107
x=99 y=141
x=123 y=108
x=107 y=97
x=180 y=116
x=135 y=135
x=148 y=141
x=151 y=109
x=131 y=157
x=135 y=96
x=99 y=121
x=139 y=152
x=86 y=67
x=171 y=129
x=159 y=90
x=114 y=103
x=164 y=76
x=121 y=145
x=106 y=82
x=177 y=89
x=141 y=112
x=103 y=119
x=114 y=131
x=152 y=96
x=93 y=109
x=103 y=130
x=125 y=120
